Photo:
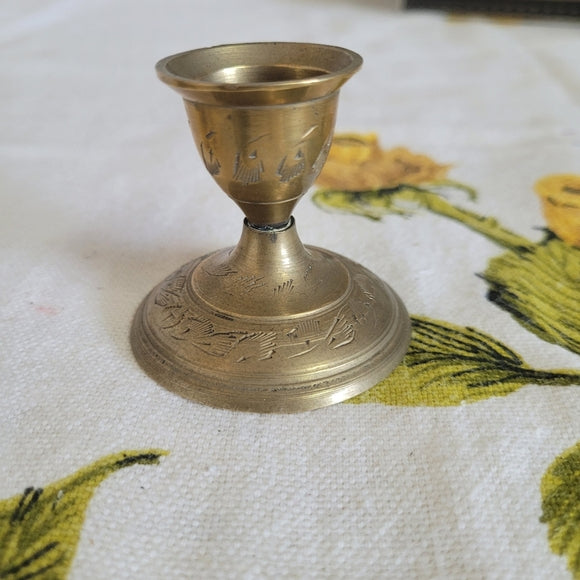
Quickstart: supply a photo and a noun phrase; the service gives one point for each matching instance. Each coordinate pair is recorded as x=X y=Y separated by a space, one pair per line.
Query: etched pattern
x=220 y=270
x=289 y=170
x=248 y=169
x=220 y=336
x=285 y=288
x=210 y=160
x=249 y=283
x=321 y=159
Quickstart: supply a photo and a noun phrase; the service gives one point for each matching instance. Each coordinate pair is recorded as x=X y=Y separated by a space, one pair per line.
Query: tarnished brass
x=269 y=325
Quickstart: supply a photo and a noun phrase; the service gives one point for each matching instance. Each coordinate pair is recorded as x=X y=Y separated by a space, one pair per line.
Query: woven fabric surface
x=102 y=195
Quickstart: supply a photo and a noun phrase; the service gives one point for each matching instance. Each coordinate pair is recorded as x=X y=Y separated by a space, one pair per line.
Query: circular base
x=270 y=326
x=266 y=363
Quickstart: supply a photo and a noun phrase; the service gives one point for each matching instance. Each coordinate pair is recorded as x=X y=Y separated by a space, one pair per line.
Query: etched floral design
x=183 y=320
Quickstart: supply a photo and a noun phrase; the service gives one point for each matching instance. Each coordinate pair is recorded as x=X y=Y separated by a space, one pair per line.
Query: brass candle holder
x=269 y=325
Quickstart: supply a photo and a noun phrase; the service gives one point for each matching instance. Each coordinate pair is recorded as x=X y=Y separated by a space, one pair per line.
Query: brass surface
x=269 y=325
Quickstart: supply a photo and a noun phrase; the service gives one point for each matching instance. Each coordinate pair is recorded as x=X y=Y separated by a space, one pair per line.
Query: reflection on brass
x=269 y=325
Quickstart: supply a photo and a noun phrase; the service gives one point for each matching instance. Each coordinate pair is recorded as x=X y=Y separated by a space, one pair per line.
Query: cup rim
x=211 y=59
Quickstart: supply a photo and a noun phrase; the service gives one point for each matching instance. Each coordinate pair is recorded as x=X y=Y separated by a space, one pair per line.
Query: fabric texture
x=102 y=195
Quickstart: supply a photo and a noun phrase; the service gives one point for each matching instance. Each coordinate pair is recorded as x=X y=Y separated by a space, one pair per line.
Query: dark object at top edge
x=512 y=7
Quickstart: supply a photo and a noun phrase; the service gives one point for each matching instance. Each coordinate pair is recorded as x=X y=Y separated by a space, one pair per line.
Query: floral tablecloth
x=454 y=175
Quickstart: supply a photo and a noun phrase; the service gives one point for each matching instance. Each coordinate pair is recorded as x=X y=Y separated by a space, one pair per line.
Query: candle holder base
x=270 y=326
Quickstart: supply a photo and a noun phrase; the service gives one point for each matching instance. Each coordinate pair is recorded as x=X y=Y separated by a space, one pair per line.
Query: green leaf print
x=538 y=284
x=40 y=529
x=448 y=364
x=560 y=489
x=540 y=288
x=407 y=200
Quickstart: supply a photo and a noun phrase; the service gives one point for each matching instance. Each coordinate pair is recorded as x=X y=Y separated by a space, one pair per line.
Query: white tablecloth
x=102 y=195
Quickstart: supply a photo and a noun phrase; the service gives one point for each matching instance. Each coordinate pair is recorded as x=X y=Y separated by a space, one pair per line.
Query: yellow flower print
x=560 y=196
x=357 y=163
